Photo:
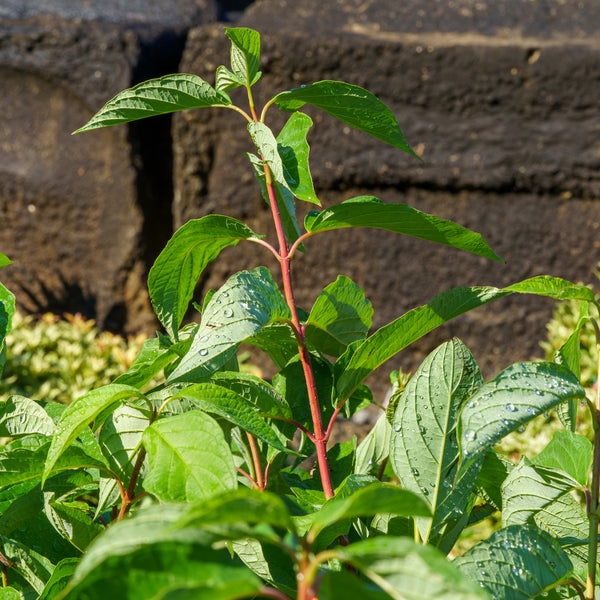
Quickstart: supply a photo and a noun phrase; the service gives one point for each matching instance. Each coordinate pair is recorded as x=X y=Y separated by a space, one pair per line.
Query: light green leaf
x=4 y=260
x=81 y=413
x=160 y=96
x=569 y=452
x=245 y=53
x=278 y=341
x=7 y=310
x=189 y=458
x=293 y=150
x=234 y=408
x=9 y=593
x=266 y=143
x=374 y=448
x=529 y=488
x=350 y=104
x=516 y=562
x=21 y=416
x=148 y=556
x=517 y=395
x=175 y=273
x=34 y=568
x=340 y=315
x=390 y=339
x=367 y=502
x=424 y=445
x=225 y=80
x=245 y=304
x=553 y=287
x=59 y=579
x=367 y=211
x=409 y=571
x=284 y=197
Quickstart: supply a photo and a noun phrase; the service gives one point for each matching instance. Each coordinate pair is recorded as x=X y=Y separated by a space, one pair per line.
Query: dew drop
x=425 y=492
x=530 y=410
x=418 y=417
x=204 y=338
x=225 y=295
x=583 y=403
x=398 y=428
x=552 y=565
x=415 y=472
x=228 y=313
x=510 y=407
x=203 y=352
x=472 y=404
x=447 y=484
x=505 y=422
x=423 y=430
x=517 y=570
x=470 y=436
x=457 y=511
x=521 y=429
x=482 y=572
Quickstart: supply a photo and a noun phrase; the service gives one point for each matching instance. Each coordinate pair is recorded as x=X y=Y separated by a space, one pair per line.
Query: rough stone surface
x=499 y=101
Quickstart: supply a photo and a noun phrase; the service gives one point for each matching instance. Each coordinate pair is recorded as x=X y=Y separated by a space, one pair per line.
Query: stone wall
x=500 y=99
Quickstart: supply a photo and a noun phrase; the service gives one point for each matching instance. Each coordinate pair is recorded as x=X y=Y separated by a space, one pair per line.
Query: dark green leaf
x=390 y=339
x=340 y=315
x=516 y=562
x=517 y=395
x=175 y=273
x=350 y=104
x=34 y=568
x=367 y=211
x=424 y=444
x=189 y=458
x=150 y=361
x=248 y=302
x=245 y=53
x=494 y=471
x=73 y=522
x=410 y=571
x=278 y=341
x=160 y=96
x=59 y=579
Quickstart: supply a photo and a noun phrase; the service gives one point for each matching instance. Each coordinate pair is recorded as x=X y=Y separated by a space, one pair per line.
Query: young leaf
x=159 y=96
x=189 y=458
x=232 y=407
x=517 y=395
x=81 y=413
x=246 y=303
x=245 y=54
x=424 y=445
x=374 y=448
x=553 y=287
x=517 y=562
x=367 y=211
x=175 y=273
x=390 y=339
x=293 y=150
x=409 y=571
x=340 y=315
x=350 y=104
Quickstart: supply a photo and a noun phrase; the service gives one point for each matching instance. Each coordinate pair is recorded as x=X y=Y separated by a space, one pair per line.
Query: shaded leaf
x=59 y=578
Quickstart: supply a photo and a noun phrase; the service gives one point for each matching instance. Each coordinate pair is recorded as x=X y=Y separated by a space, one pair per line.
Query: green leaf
x=367 y=502
x=150 y=361
x=9 y=593
x=390 y=339
x=72 y=521
x=284 y=197
x=409 y=571
x=34 y=568
x=266 y=143
x=518 y=394
x=340 y=315
x=367 y=211
x=374 y=448
x=225 y=80
x=4 y=260
x=59 y=578
x=343 y=585
x=553 y=287
x=350 y=104
x=21 y=416
x=293 y=150
x=189 y=458
x=424 y=445
x=245 y=304
x=81 y=413
x=529 y=488
x=7 y=310
x=175 y=273
x=569 y=452
x=516 y=562
x=245 y=53
x=494 y=471
x=278 y=341
x=149 y=556
x=234 y=408
x=160 y=96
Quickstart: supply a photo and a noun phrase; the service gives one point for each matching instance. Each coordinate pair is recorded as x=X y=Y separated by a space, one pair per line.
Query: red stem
x=256 y=460
x=320 y=440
